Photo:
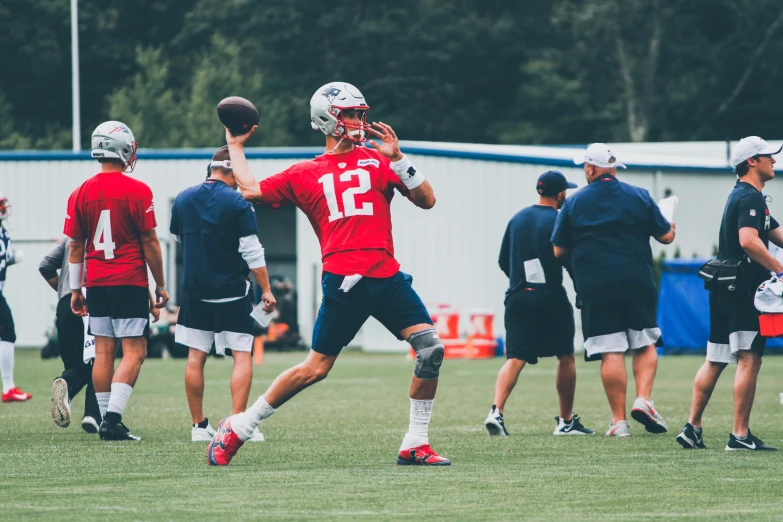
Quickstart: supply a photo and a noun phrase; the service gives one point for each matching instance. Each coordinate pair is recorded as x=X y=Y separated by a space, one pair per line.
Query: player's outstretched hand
x=241 y=139
x=78 y=304
x=269 y=302
x=389 y=145
x=161 y=298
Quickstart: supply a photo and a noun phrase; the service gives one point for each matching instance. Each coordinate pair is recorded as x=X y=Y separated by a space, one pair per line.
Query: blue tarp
x=684 y=310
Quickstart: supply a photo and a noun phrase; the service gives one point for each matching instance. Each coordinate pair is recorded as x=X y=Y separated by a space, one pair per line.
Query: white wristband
x=407 y=173
x=76 y=275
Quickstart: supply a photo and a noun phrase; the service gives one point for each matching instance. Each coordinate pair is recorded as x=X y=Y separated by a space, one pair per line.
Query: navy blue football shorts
x=391 y=300
x=226 y=324
x=7 y=328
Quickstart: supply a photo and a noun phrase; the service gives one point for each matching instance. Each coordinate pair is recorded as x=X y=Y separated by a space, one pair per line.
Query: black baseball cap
x=552 y=182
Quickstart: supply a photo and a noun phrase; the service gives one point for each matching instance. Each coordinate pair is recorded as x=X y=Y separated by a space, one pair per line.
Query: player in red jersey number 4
x=346 y=194
x=111 y=223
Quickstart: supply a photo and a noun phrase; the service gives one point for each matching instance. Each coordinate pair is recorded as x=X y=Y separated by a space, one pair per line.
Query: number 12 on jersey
x=103 y=230
x=348 y=195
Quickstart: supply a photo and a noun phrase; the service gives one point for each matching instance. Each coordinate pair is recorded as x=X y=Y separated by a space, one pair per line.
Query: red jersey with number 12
x=347 y=199
x=110 y=211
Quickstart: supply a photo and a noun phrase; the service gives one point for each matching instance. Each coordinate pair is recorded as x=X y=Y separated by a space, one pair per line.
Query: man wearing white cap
x=606 y=229
x=745 y=232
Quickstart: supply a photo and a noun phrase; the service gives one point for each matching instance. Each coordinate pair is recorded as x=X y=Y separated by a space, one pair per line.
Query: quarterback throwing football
x=346 y=193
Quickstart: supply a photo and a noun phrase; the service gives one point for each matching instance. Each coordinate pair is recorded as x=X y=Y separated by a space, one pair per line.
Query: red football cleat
x=16 y=395
x=224 y=446
x=422 y=455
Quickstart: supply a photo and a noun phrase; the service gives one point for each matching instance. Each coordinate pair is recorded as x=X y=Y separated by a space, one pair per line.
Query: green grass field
x=330 y=453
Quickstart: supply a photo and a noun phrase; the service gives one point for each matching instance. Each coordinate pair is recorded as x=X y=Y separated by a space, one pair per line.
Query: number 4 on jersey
x=103 y=231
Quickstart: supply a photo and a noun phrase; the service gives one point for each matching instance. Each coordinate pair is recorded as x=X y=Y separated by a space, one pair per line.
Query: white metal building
x=451 y=250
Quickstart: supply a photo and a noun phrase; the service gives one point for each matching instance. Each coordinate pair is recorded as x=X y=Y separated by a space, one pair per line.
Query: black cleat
x=750 y=443
x=90 y=424
x=574 y=427
x=690 y=437
x=115 y=431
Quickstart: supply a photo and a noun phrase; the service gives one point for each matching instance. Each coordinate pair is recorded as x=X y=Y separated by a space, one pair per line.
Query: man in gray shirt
x=70 y=332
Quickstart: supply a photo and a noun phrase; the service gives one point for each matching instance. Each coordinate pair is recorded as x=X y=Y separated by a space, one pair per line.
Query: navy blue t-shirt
x=209 y=219
x=607 y=227
x=745 y=207
x=5 y=241
x=527 y=237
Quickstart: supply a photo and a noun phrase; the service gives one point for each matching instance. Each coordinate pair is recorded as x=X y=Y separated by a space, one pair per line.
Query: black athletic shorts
x=7 y=329
x=619 y=326
x=734 y=327
x=539 y=323
x=119 y=311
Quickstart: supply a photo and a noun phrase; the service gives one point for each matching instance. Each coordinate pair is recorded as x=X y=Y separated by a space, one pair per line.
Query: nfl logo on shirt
x=753 y=212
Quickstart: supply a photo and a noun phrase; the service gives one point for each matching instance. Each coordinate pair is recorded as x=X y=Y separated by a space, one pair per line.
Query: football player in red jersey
x=346 y=193
x=113 y=216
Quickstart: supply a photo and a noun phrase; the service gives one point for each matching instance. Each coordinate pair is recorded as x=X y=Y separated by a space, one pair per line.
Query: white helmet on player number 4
x=114 y=140
x=326 y=108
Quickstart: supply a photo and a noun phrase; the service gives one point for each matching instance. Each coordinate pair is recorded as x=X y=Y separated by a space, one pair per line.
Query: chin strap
x=335 y=147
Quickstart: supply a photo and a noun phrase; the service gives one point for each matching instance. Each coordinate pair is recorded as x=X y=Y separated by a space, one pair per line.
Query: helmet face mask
x=5 y=208
x=113 y=140
x=326 y=112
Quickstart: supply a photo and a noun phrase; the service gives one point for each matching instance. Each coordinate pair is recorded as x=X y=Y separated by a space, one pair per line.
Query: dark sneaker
x=571 y=428
x=422 y=455
x=115 y=431
x=690 y=437
x=750 y=443
x=90 y=424
x=494 y=424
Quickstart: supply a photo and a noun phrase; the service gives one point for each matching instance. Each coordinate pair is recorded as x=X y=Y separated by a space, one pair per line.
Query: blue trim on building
x=311 y=152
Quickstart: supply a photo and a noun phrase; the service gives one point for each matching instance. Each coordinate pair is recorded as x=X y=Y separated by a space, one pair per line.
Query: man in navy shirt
x=606 y=229
x=539 y=318
x=745 y=232
x=218 y=230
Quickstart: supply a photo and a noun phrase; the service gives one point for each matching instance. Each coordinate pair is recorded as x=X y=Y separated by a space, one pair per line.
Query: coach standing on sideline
x=70 y=333
x=606 y=228
x=745 y=232
x=539 y=318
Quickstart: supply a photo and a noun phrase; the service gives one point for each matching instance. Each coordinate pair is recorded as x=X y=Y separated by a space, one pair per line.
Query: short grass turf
x=330 y=453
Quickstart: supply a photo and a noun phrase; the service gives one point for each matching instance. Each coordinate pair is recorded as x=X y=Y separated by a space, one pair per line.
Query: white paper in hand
x=668 y=207
x=263 y=318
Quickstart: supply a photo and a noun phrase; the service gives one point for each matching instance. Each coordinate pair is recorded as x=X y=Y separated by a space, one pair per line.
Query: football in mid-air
x=238 y=114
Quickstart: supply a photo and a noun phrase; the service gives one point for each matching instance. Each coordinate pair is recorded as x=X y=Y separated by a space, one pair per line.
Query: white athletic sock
x=103 y=402
x=244 y=424
x=120 y=393
x=421 y=411
x=7 y=365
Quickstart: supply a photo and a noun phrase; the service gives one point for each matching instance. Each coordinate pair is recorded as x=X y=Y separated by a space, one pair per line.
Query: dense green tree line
x=488 y=71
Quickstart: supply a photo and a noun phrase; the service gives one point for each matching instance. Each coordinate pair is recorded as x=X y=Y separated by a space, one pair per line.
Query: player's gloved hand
x=269 y=302
x=15 y=256
x=161 y=297
x=241 y=139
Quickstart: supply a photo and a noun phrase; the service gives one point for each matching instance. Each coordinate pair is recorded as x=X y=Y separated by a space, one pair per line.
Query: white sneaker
x=202 y=434
x=61 y=404
x=621 y=429
x=90 y=425
x=644 y=412
x=495 y=425
x=257 y=436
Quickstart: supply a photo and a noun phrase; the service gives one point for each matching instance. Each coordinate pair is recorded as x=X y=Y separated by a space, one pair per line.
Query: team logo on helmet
x=330 y=93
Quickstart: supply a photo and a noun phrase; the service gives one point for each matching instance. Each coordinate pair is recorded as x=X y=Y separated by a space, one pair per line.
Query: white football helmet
x=326 y=108
x=5 y=208
x=113 y=139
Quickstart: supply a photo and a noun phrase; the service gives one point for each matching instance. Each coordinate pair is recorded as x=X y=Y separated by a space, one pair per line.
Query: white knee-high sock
x=103 y=402
x=421 y=412
x=7 y=365
x=244 y=424
x=120 y=393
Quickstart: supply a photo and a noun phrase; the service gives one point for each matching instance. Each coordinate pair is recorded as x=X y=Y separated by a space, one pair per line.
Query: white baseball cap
x=751 y=146
x=600 y=155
